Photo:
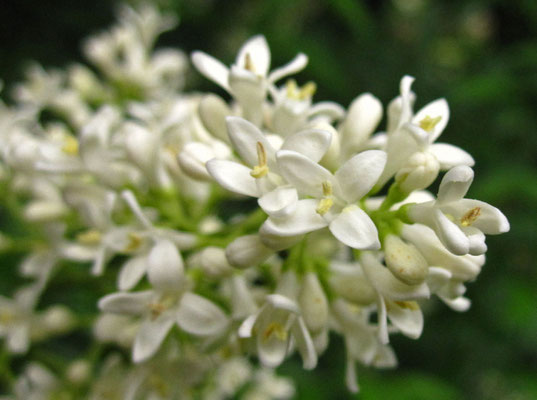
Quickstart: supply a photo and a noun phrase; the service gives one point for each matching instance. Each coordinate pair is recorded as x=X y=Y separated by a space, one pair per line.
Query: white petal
x=131 y=272
x=455 y=184
x=476 y=239
x=150 y=336
x=305 y=219
x=295 y=65
x=351 y=379
x=450 y=156
x=271 y=348
x=101 y=258
x=408 y=321
x=490 y=221
x=460 y=304
x=359 y=174
x=244 y=137
x=133 y=204
x=279 y=203
x=313 y=143
x=382 y=320
x=406 y=99
x=126 y=303
x=283 y=303
x=247 y=326
x=233 y=177
x=354 y=228
x=450 y=234
x=437 y=278
x=303 y=173
x=18 y=339
x=211 y=68
x=199 y=316
x=437 y=108
x=304 y=344
x=326 y=109
x=258 y=52
x=165 y=266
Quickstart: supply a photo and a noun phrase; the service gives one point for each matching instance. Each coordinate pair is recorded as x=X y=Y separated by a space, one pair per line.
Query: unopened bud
x=349 y=282
x=419 y=172
x=247 y=251
x=213 y=111
x=405 y=261
x=313 y=303
x=213 y=262
x=362 y=119
x=78 y=372
x=278 y=243
x=57 y=319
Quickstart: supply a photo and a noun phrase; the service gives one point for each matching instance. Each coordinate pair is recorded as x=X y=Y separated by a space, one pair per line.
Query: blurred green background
x=480 y=55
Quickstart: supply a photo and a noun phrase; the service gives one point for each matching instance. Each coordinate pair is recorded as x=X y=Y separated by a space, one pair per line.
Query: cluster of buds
x=152 y=187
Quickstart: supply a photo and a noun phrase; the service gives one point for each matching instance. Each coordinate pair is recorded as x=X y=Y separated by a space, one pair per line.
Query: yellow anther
x=261 y=169
x=470 y=217
x=70 y=146
x=326 y=202
x=296 y=93
x=275 y=329
x=409 y=305
x=6 y=317
x=135 y=241
x=428 y=123
x=156 y=309
x=91 y=236
x=248 y=64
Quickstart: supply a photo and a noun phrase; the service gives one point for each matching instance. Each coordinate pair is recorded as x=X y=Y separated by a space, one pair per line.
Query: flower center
x=275 y=329
x=91 y=236
x=135 y=241
x=295 y=92
x=327 y=201
x=470 y=217
x=428 y=123
x=70 y=146
x=261 y=169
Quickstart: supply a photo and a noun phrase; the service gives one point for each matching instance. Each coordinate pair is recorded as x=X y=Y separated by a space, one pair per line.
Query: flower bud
x=349 y=282
x=247 y=251
x=362 y=119
x=278 y=243
x=57 y=319
x=313 y=303
x=78 y=371
x=405 y=261
x=419 y=172
x=213 y=262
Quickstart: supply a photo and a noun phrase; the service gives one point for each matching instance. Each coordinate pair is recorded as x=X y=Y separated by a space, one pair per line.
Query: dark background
x=480 y=55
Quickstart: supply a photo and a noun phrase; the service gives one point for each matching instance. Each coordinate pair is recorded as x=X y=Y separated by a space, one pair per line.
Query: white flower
x=334 y=198
x=459 y=223
x=166 y=305
x=409 y=133
x=274 y=325
x=248 y=79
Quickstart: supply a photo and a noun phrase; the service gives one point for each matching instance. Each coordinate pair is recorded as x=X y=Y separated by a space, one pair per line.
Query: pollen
x=156 y=309
x=91 y=236
x=295 y=92
x=248 y=63
x=275 y=329
x=428 y=123
x=135 y=241
x=470 y=217
x=261 y=169
x=70 y=146
x=327 y=201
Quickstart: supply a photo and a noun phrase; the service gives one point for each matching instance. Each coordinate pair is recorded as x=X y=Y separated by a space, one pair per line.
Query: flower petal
x=455 y=184
x=408 y=320
x=450 y=156
x=280 y=202
x=437 y=108
x=303 y=173
x=304 y=344
x=313 y=143
x=199 y=316
x=354 y=228
x=257 y=50
x=233 y=176
x=295 y=65
x=131 y=272
x=450 y=234
x=244 y=137
x=358 y=175
x=165 y=267
x=150 y=336
x=126 y=303
x=211 y=68
x=305 y=219
x=490 y=221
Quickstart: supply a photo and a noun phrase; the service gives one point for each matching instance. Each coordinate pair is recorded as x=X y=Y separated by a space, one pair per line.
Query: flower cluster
x=117 y=169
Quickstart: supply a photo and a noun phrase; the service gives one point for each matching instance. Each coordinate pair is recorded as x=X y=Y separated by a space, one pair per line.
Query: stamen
x=156 y=309
x=409 y=305
x=135 y=241
x=248 y=64
x=327 y=201
x=308 y=90
x=91 y=236
x=261 y=169
x=70 y=146
x=428 y=123
x=276 y=329
x=470 y=217
x=303 y=93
